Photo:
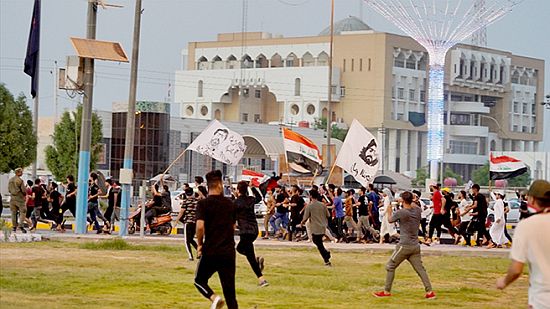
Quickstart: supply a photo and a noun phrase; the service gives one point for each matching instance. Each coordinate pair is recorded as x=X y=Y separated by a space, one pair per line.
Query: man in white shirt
x=529 y=247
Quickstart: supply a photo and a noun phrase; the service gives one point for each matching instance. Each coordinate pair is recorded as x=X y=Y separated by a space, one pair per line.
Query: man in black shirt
x=296 y=205
x=216 y=243
x=55 y=199
x=38 y=193
x=363 y=212
x=279 y=221
x=93 y=203
x=70 y=200
x=479 y=215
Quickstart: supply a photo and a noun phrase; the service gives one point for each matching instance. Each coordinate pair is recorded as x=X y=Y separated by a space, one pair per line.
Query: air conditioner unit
x=71 y=78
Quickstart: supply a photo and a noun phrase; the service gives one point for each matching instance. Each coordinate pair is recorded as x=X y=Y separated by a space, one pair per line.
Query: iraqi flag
x=32 y=58
x=302 y=155
x=359 y=154
x=505 y=167
x=254 y=178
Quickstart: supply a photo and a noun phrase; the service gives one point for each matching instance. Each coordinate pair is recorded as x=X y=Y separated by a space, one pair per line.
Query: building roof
x=350 y=23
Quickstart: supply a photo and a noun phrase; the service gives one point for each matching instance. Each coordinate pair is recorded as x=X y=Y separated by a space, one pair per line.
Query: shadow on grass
x=121 y=244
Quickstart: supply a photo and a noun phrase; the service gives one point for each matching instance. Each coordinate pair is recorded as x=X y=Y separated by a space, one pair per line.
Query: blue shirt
x=375 y=199
x=338 y=207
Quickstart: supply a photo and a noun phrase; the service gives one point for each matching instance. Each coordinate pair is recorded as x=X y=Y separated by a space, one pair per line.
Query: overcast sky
x=168 y=25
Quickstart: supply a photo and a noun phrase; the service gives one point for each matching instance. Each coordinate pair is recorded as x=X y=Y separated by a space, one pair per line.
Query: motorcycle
x=161 y=224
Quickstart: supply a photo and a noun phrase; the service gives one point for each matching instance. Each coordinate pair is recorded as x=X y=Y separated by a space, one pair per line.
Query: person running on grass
x=408 y=247
x=531 y=246
x=216 y=243
x=318 y=214
x=248 y=230
x=188 y=217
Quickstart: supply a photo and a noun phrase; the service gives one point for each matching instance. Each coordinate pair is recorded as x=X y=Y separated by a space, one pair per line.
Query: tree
x=62 y=156
x=17 y=140
x=481 y=175
x=421 y=175
x=337 y=133
x=449 y=173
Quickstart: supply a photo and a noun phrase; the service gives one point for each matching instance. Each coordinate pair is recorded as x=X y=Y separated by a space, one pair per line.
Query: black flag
x=33 y=48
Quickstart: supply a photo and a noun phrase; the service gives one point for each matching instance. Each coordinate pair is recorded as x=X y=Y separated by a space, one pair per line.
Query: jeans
x=411 y=254
x=246 y=248
x=365 y=224
x=318 y=241
x=93 y=210
x=283 y=217
x=225 y=267
x=340 y=228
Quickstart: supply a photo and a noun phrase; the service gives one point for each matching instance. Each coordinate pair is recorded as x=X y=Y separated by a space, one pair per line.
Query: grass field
x=115 y=274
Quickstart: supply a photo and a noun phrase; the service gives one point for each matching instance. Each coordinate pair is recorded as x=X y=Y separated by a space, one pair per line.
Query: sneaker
x=263 y=284
x=430 y=295
x=328 y=264
x=261 y=262
x=14 y=229
x=23 y=230
x=382 y=294
x=191 y=259
x=217 y=303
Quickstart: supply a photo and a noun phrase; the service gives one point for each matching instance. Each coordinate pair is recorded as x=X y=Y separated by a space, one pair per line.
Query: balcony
x=464 y=130
x=469 y=107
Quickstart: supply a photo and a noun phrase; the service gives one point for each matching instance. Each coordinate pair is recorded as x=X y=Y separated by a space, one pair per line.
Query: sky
x=168 y=25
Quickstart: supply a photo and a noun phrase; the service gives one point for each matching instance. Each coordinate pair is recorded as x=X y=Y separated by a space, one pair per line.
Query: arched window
x=322 y=59
x=308 y=60
x=203 y=63
x=246 y=62
x=276 y=61
x=199 y=89
x=297 y=87
x=232 y=62
x=217 y=63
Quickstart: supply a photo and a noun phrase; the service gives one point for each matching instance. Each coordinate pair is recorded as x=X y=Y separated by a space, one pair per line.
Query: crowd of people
x=362 y=216
x=35 y=201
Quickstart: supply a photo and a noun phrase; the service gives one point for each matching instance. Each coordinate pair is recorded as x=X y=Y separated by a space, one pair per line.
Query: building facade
x=379 y=79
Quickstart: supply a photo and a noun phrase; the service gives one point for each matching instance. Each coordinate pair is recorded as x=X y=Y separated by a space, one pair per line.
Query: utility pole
x=329 y=99
x=127 y=171
x=86 y=126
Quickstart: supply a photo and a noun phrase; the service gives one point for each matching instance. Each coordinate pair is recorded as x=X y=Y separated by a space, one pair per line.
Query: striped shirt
x=190 y=206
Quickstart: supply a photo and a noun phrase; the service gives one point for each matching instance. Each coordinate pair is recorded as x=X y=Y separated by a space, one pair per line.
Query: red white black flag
x=302 y=154
x=505 y=167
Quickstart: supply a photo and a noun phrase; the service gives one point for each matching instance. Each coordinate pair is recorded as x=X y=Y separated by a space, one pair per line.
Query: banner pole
x=313 y=179
x=172 y=164
x=331 y=170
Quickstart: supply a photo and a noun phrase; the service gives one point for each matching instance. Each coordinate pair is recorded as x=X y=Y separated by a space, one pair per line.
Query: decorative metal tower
x=479 y=38
x=438 y=25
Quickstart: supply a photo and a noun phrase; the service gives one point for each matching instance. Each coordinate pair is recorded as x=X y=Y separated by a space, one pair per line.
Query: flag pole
x=331 y=170
x=313 y=179
x=174 y=162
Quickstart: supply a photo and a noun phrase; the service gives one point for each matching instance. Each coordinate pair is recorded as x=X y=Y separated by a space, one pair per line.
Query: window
x=422 y=95
x=411 y=64
x=533 y=108
x=460 y=147
x=352 y=64
x=524 y=109
x=297 y=86
x=294 y=109
x=460 y=119
x=199 y=89
x=524 y=129
x=369 y=64
x=361 y=65
x=515 y=128
x=533 y=130
x=393 y=92
x=245 y=117
x=310 y=109
x=290 y=63
x=258 y=94
x=401 y=93
x=257 y=118
x=516 y=107
x=344 y=66
x=412 y=95
x=399 y=62
x=342 y=91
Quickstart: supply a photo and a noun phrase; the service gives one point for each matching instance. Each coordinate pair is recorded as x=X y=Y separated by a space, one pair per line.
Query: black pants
x=246 y=248
x=151 y=213
x=190 y=238
x=463 y=230
x=435 y=224
x=318 y=241
x=448 y=225
x=340 y=228
x=225 y=267
x=482 y=231
x=294 y=222
x=110 y=214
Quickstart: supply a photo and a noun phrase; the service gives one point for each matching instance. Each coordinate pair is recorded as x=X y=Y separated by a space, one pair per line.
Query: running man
x=318 y=214
x=216 y=243
x=188 y=217
x=408 y=247
x=248 y=230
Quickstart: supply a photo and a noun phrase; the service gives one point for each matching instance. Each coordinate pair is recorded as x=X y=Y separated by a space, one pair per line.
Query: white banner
x=359 y=154
x=220 y=143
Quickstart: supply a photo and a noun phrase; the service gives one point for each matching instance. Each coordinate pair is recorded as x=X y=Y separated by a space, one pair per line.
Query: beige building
x=378 y=78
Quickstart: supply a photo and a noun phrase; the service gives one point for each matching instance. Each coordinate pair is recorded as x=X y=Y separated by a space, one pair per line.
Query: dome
x=351 y=23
